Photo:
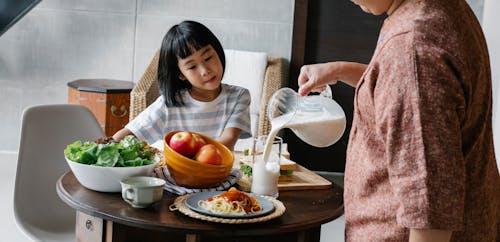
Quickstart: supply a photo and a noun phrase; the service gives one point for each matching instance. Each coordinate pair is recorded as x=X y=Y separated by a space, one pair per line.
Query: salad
x=130 y=151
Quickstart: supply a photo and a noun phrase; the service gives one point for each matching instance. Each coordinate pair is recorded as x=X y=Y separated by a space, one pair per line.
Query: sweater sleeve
x=240 y=116
x=149 y=124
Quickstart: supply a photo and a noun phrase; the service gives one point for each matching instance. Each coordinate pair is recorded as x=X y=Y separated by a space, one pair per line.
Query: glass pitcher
x=316 y=119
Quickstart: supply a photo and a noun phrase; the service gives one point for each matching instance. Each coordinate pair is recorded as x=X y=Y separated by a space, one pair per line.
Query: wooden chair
x=146 y=90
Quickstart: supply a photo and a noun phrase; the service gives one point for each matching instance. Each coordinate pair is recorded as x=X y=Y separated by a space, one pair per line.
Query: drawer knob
x=123 y=111
x=89 y=225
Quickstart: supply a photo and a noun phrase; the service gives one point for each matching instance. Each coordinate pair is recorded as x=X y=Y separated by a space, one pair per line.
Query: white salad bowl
x=106 y=179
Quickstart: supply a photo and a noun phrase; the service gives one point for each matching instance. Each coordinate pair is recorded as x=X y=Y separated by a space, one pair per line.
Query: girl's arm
x=121 y=134
x=229 y=137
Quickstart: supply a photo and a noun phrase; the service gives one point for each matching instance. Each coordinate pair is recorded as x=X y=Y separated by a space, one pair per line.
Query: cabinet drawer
x=108 y=100
x=95 y=102
x=88 y=228
x=117 y=112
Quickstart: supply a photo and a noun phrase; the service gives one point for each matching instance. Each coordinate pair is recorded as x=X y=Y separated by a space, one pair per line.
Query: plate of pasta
x=230 y=204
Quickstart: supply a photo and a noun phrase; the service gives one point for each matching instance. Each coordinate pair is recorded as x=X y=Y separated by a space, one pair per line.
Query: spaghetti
x=232 y=202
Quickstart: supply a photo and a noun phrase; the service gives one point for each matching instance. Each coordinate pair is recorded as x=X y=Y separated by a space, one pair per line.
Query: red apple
x=183 y=143
x=198 y=142
x=209 y=154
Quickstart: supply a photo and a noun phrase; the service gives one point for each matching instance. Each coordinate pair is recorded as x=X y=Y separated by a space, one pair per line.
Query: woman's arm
x=229 y=137
x=316 y=76
x=424 y=235
x=121 y=134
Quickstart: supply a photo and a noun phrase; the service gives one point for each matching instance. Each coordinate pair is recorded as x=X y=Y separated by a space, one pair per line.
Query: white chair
x=45 y=132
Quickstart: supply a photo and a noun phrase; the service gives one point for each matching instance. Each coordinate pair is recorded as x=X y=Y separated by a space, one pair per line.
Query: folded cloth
x=170 y=185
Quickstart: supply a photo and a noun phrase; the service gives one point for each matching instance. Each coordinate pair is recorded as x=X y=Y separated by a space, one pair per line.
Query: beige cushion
x=247 y=69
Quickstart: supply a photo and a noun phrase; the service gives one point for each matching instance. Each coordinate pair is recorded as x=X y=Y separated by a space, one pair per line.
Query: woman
x=420 y=161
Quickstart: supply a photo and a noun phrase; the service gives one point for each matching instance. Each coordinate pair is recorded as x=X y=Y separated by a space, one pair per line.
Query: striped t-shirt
x=231 y=109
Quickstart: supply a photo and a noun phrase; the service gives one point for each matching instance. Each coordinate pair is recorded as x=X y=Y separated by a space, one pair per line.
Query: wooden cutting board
x=301 y=179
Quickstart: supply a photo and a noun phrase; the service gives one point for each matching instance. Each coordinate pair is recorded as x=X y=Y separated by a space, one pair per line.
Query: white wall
x=63 y=40
x=491 y=20
x=477 y=6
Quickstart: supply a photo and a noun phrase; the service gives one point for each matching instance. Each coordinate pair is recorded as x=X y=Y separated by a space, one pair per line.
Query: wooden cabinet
x=109 y=100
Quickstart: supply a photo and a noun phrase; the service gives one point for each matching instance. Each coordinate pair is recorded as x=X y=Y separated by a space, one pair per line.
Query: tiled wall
x=64 y=40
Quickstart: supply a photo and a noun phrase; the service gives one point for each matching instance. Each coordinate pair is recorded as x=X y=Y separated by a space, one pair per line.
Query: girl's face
x=203 y=69
x=377 y=7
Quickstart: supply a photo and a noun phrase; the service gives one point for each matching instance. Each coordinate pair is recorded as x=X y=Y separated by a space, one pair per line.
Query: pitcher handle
x=327 y=92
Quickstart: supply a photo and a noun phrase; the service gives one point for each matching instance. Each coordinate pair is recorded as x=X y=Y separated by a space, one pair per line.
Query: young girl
x=190 y=71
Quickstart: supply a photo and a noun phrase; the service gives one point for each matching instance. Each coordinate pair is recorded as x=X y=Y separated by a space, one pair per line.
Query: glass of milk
x=266 y=153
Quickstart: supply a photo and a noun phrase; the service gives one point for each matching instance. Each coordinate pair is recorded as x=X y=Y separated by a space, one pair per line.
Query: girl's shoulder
x=235 y=90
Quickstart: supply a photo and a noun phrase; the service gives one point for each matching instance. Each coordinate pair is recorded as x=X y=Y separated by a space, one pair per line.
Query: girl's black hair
x=181 y=41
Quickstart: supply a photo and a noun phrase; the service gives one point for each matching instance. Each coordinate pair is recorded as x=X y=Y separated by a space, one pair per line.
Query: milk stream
x=320 y=129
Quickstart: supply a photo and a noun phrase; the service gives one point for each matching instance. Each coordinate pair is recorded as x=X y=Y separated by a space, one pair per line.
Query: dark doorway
x=329 y=30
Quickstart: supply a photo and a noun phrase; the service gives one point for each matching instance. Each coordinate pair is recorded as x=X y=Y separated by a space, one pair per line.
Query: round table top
x=304 y=209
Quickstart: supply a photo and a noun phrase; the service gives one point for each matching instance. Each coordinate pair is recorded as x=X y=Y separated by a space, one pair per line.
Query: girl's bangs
x=186 y=46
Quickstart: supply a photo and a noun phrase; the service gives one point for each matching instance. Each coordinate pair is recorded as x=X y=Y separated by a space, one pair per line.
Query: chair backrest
x=146 y=89
x=247 y=69
x=45 y=132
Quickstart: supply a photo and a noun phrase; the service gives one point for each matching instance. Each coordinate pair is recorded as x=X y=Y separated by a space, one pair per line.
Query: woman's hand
x=423 y=235
x=315 y=77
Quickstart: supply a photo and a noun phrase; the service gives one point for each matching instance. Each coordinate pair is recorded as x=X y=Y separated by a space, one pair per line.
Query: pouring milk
x=318 y=121
x=320 y=129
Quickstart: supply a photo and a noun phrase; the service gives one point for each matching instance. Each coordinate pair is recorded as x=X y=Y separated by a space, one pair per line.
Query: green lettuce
x=130 y=151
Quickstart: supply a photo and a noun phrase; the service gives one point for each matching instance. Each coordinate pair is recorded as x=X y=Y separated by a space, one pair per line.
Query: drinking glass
x=265 y=174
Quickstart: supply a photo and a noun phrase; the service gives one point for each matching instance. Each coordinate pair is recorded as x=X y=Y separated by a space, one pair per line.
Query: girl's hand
x=120 y=134
x=315 y=77
x=229 y=137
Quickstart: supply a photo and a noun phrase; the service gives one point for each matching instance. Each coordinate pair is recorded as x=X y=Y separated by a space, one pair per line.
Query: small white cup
x=142 y=191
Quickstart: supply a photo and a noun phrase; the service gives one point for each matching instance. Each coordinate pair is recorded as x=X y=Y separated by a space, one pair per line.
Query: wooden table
x=106 y=217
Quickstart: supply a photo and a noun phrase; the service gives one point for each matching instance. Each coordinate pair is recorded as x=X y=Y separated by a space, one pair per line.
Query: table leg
x=193 y=238
x=309 y=235
x=109 y=231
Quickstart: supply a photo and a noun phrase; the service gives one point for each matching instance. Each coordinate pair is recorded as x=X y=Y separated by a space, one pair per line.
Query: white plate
x=192 y=203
